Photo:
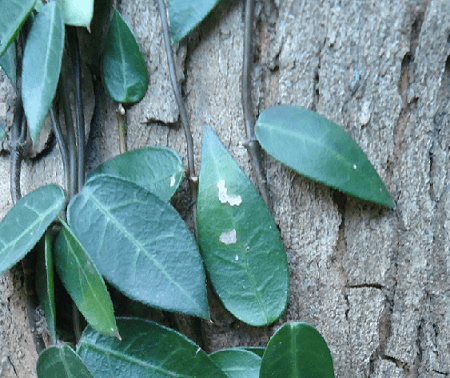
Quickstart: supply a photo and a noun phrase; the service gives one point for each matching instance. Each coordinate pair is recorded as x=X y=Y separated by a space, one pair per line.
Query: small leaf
x=83 y=282
x=140 y=244
x=45 y=282
x=186 y=15
x=147 y=350
x=26 y=222
x=124 y=68
x=157 y=169
x=60 y=361
x=42 y=64
x=237 y=363
x=238 y=239
x=297 y=350
x=2 y=133
x=319 y=149
x=8 y=63
x=13 y=15
x=77 y=12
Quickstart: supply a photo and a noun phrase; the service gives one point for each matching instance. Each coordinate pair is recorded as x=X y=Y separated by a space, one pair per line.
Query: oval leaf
x=26 y=222
x=140 y=244
x=77 y=12
x=42 y=64
x=83 y=282
x=13 y=14
x=8 y=63
x=238 y=239
x=157 y=169
x=61 y=361
x=124 y=68
x=297 y=350
x=237 y=363
x=320 y=150
x=186 y=15
x=45 y=287
x=147 y=350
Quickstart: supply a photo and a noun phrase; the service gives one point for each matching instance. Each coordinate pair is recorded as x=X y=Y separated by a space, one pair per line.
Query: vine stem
x=252 y=145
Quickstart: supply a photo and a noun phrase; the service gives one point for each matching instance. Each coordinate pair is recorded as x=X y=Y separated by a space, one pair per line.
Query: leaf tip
x=117 y=335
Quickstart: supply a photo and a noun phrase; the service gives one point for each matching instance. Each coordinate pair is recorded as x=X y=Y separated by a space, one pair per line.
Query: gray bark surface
x=374 y=282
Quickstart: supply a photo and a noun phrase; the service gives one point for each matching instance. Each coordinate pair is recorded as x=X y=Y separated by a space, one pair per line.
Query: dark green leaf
x=26 y=222
x=259 y=351
x=297 y=350
x=319 y=149
x=186 y=15
x=238 y=239
x=13 y=14
x=83 y=282
x=124 y=68
x=147 y=350
x=42 y=64
x=77 y=12
x=140 y=244
x=45 y=282
x=8 y=63
x=61 y=361
x=157 y=169
x=237 y=363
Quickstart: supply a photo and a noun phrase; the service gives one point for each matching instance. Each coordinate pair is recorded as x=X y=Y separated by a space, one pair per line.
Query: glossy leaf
x=140 y=244
x=237 y=363
x=83 y=282
x=45 y=282
x=239 y=240
x=26 y=222
x=77 y=12
x=60 y=361
x=319 y=149
x=297 y=350
x=186 y=15
x=259 y=351
x=13 y=14
x=147 y=350
x=42 y=64
x=124 y=68
x=8 y=63
x=157 y=169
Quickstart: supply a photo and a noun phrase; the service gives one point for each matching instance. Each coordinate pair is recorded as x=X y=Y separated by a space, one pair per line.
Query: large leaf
x=83 y=282
x=42 y=64
x=77 y=12
x=186 y=15
x=140 y=244
x=237 y=363
x=319 y=149
x=8 y=63
x=45 y=282
x=13 y=14
x=26 y=222
x=157 y=169
x=147 y=350
x=60 y=361
x=124 y=68
x=297 y=350
x=238 y=239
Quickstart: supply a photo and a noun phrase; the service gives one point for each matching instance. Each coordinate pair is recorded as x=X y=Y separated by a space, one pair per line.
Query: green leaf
x=297 y=350
x=26 y=222
x=8 y=63
x=42 y=64
x=77 y=12
x=147 y=350
x=237 y=363
x=259 y=351
x=124 y=68
x=320 y=150
x=239 y=240
x=45 y=282
x=186 y=15
x=60 y=361
x=140 y=244
x=83 y=282
x=157 y=169
x=2 y=133
x=13 y=14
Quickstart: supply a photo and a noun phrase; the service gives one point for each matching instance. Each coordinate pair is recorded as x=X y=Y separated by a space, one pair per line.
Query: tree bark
x=374 y=282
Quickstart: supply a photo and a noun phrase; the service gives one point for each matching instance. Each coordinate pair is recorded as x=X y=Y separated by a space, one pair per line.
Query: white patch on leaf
x=172 y=180
x=228 y=237
x=232 y=200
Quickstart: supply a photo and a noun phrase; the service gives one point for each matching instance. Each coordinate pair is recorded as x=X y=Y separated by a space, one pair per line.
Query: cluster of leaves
x=121 y=225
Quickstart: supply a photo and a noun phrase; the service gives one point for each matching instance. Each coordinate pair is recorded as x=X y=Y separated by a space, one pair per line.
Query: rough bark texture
x=374 y=282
